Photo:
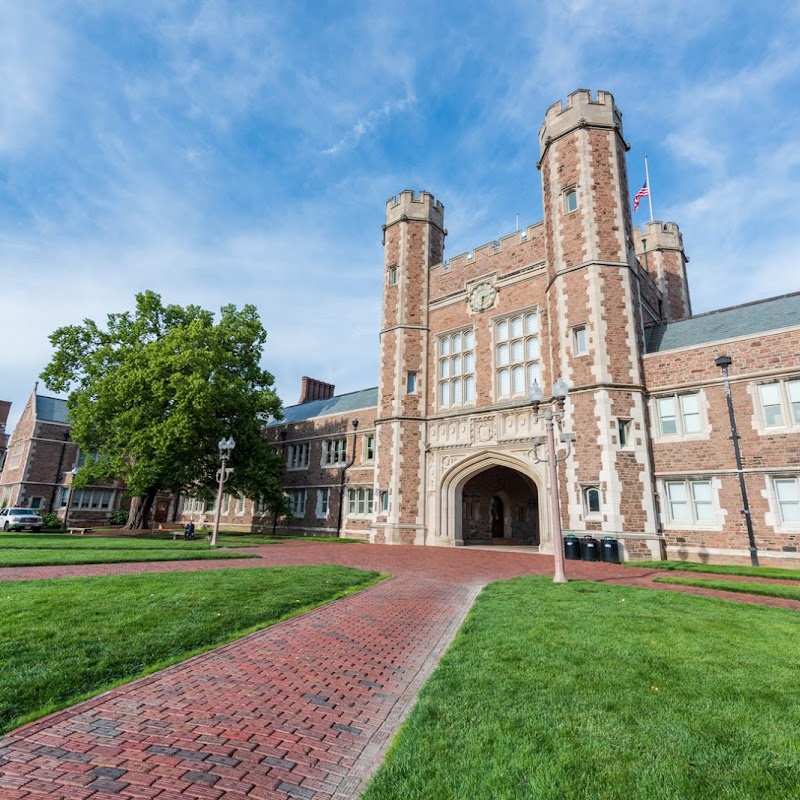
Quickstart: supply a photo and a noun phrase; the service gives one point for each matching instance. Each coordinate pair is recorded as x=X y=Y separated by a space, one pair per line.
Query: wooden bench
x=80 y=531
x=197 y=535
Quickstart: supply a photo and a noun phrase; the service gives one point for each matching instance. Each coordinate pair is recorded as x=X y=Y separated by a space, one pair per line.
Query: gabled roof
x=340 y=404
x=726 y=323
x=51 y=409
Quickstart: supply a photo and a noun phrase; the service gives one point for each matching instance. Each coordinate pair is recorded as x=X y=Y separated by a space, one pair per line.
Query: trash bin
x=590 y=549
x=609 y=550
x=572 y=548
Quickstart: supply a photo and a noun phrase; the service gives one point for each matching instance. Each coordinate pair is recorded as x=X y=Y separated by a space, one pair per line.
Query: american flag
x=643 y=192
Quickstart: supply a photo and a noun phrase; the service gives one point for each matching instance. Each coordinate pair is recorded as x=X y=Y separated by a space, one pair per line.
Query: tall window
x=787 y=494
x=624 y=428
x=679 y=415
x=239 y=505
x=456 y=368
x=323 y=502
x=334 y=451
x=689 y=502
x=411 y=382
x=297 y=502
x=571 y=200
x=92 y=499
x=297 y=456
x=580 y=346
x=369 y=447
x=359 y=501
x=591 y=501
x=16 y=454
x=780 y=403
x=516 y=355
x=392 y=276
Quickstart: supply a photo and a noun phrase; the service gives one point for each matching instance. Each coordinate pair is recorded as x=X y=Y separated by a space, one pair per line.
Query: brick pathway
x=302 y=710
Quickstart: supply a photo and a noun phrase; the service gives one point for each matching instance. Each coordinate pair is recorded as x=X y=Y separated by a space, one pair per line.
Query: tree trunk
x=139 y=511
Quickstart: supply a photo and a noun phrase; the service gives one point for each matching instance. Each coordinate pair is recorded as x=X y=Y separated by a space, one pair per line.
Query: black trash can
x=590 y=549
x=609 y=550
x=572 y=548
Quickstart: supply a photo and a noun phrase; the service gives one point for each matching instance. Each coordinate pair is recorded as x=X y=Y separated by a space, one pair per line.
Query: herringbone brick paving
x=301 y=710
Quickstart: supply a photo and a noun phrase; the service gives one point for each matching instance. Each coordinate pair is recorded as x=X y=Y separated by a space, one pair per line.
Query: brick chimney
x=312 y=389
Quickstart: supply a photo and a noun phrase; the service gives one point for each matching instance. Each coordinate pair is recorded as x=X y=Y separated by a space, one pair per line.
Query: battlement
x=580 y=111
x=496 y=247
x=656 y=235
x=423 y=206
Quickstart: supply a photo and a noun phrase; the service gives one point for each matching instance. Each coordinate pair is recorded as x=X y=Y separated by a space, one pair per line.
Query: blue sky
x=233 y=152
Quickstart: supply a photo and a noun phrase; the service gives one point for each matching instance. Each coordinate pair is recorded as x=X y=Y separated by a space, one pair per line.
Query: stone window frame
x=226 y=504
x=392 y=275
x=383 y=502
x=580 y=340
x=571 y=192
x=368 y=448
x=85 y=500
x=297 y=502
x=680 y=416
x=360 y=501
x=240 y=505
x=323 y=502
x=625 y=430
x=588 y=513
x=334 y=452
x=789 y=402
x=716 y=520
x=297 y=456
x=412 y=381
x=448 y=360
x=779 y=523
x=15 y=454
x=531 y=366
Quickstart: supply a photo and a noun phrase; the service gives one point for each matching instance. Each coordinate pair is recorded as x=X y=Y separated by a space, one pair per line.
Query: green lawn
x=62 y=640
x=744 y=587
x=599 y=691
x=39 y=550
x=720 y=569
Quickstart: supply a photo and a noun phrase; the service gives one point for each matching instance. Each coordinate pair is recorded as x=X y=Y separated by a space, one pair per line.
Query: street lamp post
x=551 y=415
x=723 y=362
x=225 y=448
x=73 y=472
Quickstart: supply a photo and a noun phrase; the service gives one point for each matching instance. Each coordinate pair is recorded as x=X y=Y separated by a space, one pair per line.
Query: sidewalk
x=302 y=710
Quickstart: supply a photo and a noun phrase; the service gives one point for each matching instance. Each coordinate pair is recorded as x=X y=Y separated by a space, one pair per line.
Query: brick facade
x=454 y=465
x=440 y=453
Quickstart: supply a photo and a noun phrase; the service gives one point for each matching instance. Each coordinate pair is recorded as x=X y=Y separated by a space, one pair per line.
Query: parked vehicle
x=15 y=519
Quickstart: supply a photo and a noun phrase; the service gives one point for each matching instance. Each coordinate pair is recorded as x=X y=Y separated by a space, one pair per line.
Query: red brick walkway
x=302 y=710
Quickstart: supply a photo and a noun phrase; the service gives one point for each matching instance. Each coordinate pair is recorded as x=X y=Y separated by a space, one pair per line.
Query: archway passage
x=500 y=506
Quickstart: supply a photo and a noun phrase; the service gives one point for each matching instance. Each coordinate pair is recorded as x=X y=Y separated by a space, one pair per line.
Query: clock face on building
x=482 y=297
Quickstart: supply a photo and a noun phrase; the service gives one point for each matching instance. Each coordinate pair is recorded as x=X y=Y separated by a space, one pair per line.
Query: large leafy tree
x=155 y=390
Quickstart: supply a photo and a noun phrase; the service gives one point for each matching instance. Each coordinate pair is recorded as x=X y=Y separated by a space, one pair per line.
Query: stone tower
x=659 y=249
x=413 y=242
x=594 y=314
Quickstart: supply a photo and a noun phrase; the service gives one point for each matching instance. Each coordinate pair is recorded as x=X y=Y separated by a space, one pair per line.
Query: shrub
x=118 y=517
x=51 y=520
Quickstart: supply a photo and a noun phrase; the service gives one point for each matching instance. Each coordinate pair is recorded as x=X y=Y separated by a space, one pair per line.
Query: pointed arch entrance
x=491 y=499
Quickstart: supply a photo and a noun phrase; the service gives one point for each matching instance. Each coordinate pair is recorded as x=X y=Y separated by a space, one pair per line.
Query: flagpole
x=649 y=188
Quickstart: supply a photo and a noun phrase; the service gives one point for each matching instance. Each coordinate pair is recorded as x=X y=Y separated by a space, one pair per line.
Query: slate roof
x=726 y=323
x=51 y=409
x=340 y=404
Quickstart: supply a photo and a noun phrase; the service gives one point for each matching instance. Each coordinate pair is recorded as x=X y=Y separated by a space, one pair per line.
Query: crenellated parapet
x=580 y=111
x=498 y=247
x=408 y=205
x=657 y=236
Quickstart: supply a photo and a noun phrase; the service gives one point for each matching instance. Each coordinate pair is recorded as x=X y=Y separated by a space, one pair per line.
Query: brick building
x=38 y=468
x=440 y=452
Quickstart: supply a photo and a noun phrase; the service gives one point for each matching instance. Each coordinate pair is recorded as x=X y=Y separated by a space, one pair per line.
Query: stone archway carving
x=449 y=516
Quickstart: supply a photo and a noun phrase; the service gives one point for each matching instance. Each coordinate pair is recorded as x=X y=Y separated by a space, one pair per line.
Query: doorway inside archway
x=500 y=506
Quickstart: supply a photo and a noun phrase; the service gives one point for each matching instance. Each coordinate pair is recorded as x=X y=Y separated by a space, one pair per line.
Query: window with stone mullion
x=516 y=355
x=456 y=369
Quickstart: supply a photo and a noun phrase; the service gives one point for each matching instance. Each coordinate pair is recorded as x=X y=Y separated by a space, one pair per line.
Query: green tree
x=154 y=392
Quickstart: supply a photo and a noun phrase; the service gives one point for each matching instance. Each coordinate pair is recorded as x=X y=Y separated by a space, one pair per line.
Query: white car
x=15 y=519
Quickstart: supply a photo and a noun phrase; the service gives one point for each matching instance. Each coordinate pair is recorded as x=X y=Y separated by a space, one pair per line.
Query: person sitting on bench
x=189 y=532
